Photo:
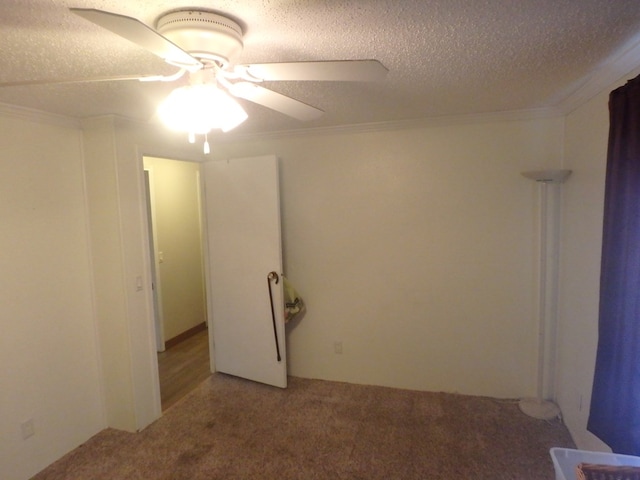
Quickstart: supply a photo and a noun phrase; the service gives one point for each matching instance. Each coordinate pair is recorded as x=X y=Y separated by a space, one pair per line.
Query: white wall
x=48 y=348
x=415 y=249
x=587 y=131
x=114 y=150
x=106 y=246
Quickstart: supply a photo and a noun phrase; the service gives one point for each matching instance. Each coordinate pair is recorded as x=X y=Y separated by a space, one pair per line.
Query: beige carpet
x=230 y=428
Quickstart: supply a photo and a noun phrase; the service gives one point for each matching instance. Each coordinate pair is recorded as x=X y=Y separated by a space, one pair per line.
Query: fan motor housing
x=205 y=35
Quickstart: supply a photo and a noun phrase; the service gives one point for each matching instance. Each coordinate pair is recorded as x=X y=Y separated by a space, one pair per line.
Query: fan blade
x=275 y=101
x=104 y=78
x=142 y=35
x=339 y=70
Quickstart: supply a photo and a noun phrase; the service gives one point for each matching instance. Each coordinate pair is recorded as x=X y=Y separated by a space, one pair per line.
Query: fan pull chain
x=207 y=148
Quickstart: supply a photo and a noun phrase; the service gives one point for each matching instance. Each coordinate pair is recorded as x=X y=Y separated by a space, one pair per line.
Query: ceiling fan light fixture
x=198 y=109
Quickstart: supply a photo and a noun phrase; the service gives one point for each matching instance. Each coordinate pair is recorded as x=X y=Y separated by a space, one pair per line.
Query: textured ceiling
x=445 y=57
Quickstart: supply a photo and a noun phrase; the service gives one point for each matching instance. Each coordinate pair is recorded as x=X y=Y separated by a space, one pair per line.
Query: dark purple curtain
x=615 y=403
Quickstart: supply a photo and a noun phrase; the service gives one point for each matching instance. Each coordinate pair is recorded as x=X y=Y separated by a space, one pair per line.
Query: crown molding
x=231 y=137
x=623 y=62
x=38 y=116
x=52 y=118
x=448 y=120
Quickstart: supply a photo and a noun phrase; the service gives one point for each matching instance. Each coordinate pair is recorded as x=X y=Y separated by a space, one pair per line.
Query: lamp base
x=541 y=409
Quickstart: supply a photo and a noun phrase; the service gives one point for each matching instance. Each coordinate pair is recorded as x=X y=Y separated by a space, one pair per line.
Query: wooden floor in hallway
x=183 y=367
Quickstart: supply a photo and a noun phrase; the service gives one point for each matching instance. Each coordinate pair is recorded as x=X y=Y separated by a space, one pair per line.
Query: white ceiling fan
x=204 y=45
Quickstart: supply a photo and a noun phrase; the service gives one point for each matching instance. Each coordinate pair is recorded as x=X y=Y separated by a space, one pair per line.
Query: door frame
x=207 y=267
x=156 y=290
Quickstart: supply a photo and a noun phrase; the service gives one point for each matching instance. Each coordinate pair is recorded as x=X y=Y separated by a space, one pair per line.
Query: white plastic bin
x=565 y=461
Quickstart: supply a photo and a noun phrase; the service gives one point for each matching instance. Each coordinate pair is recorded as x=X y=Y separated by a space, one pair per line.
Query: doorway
x=182 y=367
x=179 y=289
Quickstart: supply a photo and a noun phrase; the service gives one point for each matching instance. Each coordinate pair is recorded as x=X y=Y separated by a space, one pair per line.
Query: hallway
x=183 y=367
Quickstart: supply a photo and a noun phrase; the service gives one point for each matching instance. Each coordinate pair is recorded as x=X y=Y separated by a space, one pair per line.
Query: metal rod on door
x=274 y=276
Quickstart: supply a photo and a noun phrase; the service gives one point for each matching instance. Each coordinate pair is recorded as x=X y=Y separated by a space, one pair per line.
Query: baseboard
x=172 y=342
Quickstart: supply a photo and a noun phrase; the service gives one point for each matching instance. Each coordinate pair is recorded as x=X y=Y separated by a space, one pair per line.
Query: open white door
x=244 y=247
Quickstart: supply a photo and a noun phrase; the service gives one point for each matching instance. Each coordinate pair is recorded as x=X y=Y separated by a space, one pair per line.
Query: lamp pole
x=540 y=407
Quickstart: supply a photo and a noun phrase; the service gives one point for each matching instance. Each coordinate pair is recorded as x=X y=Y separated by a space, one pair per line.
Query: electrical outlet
x=28 y=429
x=337 y=347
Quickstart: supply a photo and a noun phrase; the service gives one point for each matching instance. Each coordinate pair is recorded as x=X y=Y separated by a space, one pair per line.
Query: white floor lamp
x=540 y=407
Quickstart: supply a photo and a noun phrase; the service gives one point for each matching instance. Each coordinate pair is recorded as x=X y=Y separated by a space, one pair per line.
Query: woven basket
x=591 y=471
